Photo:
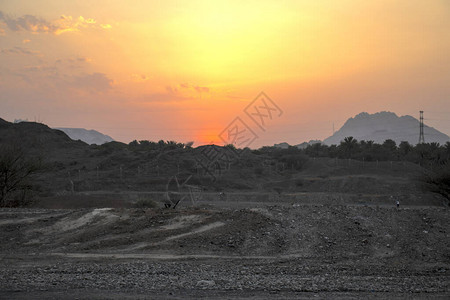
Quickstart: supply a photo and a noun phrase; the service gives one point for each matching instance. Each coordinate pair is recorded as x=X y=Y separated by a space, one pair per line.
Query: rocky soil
x=301 y=251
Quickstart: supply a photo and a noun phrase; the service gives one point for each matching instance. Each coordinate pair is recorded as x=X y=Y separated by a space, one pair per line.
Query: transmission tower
x=421 y=135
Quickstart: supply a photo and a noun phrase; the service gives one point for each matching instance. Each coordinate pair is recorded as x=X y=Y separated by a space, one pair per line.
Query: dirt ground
x=284 y=251
x=330 y=231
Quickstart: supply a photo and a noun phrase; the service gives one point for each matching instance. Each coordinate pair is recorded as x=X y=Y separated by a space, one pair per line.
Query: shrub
x=440 y=183
x=15 y=173
x=145 y=203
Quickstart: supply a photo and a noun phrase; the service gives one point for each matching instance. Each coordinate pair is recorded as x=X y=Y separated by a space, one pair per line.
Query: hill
x=34 y=136
x=87 y=136
x=384 y=125
x=148 y=167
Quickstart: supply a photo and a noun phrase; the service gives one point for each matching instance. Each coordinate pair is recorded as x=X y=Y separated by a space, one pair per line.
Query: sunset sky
x=184 y=70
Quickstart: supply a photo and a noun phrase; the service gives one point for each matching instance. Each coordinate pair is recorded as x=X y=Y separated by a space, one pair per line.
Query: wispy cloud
x=197 y=88
x=93 y=83
x=73 y=62
x=201 y=89
x=36 y=25
x=78 y=59
x=177 y=93
x=140 y=77
x=161 y=97
x=19 y=51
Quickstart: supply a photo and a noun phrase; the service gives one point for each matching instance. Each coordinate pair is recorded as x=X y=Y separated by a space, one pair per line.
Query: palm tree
x=447 y=149
x=349 y=145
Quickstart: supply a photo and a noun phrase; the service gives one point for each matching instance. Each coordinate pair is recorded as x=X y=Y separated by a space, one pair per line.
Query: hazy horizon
x=185 y=70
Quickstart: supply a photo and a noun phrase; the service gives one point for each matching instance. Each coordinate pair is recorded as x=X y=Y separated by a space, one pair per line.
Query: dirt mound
x=265 y=252
x=304 y=231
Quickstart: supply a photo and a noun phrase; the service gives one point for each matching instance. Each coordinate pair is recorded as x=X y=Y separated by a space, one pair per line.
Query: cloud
x=176 y=93
x=68 y=24
x=198 y=89
x=162 y=97
x=83 y=59
x=26 y=23
x=201 y=89
x=93 y=83
x=20 y=51
x=139 y=77
x=57 y=79
x=35 y=24
x=73 y=62
x=179 y=92
x=172 y=90
x=40 y=68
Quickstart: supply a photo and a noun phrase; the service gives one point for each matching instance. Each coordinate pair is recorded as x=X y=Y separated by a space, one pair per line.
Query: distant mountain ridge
x=282 y=145
x=87 y=136
x=306 y=144
x=384 y=125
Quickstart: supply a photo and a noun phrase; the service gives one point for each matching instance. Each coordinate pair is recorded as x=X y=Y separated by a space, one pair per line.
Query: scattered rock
x=205 y=283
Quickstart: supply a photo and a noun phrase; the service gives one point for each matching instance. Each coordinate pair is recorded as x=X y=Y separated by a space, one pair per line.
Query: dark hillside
x=75 y=170
x=35 y=136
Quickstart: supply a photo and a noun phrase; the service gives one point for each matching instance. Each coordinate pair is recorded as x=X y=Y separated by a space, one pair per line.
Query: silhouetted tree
x=404 y=149
x=390 y=149
x=349 y=145
x=447 y=150
x=134 y=144
x=15 y=170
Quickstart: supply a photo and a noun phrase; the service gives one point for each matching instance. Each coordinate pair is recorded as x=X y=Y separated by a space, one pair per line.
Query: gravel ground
x=193 y=278
x=231 y=278
x=302 y=252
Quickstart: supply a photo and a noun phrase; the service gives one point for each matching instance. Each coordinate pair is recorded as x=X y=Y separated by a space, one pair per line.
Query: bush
x=294 y=161
x=440 y=183
x=16 y=171
x=20 y=198
x=145 y=203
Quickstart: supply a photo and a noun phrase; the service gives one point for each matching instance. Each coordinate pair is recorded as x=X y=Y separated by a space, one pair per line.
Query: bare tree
x=15 y=172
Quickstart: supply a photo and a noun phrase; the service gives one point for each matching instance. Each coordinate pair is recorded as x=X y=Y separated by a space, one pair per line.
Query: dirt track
x=265 y=252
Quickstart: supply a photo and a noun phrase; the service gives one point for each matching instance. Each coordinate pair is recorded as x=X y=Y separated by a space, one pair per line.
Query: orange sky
x=184 y=70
